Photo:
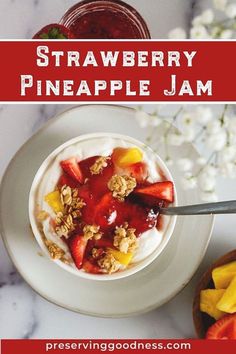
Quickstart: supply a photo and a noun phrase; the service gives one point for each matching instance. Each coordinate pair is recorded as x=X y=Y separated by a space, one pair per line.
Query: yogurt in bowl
x=94 y=206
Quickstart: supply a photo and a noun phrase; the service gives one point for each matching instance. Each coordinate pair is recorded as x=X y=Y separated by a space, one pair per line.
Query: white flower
x=188 y=134
x=177 y=33
x=214 y=127
x=207 y=17
x=154 y=120
x=187 y=119
x=206 y=182
x=203 y=115
x=199 y=32
x=215 y=31
x=220 y=4
x=201 y=161
x=210 y=197
x=185 y=164
x=231 y=139
x=175 y=139
x=142 y=118
x=232 y=125
x=226 y=121
x=228 y=154
x=231 y=10
x=217 y=141
x=189 y=181
x=228 y=169
x=197 y=21
x=226 y=34
x=210 y=170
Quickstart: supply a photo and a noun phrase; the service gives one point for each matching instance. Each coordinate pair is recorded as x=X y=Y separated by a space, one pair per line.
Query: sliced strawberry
x=72 y=168
x=54 y=31
x=89 y=267
x=77 y=245
x=225 y=328
x=67 y=180
x=159 y=190
x=86 y=164
x=147 y=200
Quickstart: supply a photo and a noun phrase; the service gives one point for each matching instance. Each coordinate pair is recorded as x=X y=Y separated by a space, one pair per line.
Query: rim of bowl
x=38 y=236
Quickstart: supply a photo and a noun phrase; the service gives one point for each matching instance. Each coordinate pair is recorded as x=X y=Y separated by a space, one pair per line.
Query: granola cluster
x=99 y=165
x=42 y=215
x=125 y=239
x=109 y=264
x=55 y=251
x=97 y=253
x=71 y=201
x=72 y=205
x=92 y=231
x=121 y=186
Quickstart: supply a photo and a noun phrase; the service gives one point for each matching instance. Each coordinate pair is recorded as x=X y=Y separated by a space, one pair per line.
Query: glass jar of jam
x=105 y=19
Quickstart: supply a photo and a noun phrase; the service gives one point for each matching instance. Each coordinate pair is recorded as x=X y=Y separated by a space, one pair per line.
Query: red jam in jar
x=106 y=19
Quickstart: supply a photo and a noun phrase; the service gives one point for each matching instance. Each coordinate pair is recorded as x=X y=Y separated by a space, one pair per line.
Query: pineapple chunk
x=208 y=302
x=123 y=258
x=228 y=301
x=223 y=275
x=54 y=201
x=123 y=157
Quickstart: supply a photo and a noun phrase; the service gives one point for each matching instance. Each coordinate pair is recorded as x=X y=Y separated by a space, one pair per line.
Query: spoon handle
x=228 y=207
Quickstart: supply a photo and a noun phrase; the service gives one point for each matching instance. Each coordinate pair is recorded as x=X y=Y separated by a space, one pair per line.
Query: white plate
x=145 y=290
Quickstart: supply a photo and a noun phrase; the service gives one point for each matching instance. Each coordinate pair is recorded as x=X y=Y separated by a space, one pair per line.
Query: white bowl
x=33 y=203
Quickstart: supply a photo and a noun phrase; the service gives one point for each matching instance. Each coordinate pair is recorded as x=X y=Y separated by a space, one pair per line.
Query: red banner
x=117 y=71
x=117 y=346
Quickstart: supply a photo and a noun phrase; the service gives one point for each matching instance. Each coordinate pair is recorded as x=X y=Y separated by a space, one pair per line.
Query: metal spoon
x=227 y=207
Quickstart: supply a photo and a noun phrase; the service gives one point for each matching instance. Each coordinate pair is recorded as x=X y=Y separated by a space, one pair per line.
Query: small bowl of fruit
x=214 y=306
x=94 y=206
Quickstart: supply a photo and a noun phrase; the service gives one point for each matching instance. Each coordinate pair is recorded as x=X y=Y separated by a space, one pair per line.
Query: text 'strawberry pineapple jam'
x=94 y=205
x=106 y=19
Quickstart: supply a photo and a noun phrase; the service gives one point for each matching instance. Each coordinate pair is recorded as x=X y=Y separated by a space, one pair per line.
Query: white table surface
x=23 y=313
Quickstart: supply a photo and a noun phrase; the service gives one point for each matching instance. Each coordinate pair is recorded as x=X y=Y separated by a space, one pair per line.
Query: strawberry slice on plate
x=71 y=167
x=225 y=328
x=67 y=180
x=54 y=31
x=86 y=164
x=159 y=190
x=77 y=245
